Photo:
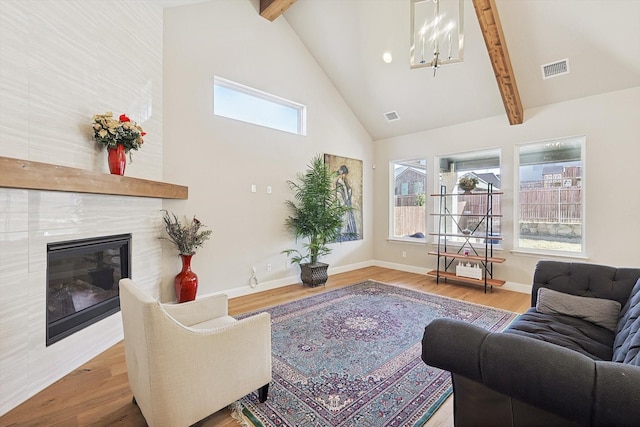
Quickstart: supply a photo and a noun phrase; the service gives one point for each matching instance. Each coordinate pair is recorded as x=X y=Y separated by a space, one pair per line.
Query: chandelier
x=437 y=36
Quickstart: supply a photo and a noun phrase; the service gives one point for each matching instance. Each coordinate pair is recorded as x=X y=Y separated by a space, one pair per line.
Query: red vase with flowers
x=187 y=237
x=119 y=136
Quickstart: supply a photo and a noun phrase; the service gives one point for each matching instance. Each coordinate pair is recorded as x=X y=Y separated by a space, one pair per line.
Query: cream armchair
x=187 y=361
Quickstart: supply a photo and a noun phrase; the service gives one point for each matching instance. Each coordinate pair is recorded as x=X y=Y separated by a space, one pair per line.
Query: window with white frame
x=469 y=211
x=236 y=101
x=408 y=200
x=551 y=196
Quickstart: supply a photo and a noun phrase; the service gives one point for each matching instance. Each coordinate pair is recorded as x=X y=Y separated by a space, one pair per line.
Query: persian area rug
x=352 y=357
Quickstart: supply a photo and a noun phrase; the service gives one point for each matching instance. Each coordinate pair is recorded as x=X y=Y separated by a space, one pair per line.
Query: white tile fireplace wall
x=61 y=62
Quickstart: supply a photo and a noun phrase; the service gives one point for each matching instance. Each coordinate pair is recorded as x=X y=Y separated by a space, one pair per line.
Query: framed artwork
x=348 y=186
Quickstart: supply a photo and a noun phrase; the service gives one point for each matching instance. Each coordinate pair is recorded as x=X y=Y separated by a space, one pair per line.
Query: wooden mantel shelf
x=15 y=173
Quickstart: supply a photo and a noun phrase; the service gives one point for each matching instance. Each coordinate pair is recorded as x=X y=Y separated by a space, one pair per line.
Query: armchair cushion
x=214 y=323
x=198 y=311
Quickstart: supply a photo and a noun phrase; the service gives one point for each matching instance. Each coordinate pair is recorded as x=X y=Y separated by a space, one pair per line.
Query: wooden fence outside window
x=554 y=205
x=561 y=205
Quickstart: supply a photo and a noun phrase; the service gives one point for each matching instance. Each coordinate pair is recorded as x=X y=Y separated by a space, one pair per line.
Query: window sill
x=547 y=254
x=409 y=240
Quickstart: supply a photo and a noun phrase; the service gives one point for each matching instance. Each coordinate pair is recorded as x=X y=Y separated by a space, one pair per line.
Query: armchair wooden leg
x=262 y=393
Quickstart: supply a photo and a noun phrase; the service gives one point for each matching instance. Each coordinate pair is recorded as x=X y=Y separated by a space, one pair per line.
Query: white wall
x=219 y=158
x=611 y=126
x=61 y=62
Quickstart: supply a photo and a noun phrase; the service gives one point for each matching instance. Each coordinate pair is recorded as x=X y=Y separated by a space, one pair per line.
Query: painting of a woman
x=345 y=194
x=348 y=187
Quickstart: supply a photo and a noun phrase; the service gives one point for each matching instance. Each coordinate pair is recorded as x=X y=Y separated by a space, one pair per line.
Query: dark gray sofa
x=549 y=369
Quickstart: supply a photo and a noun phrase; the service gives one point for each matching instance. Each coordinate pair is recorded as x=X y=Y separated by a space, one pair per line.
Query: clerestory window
x=236 y=101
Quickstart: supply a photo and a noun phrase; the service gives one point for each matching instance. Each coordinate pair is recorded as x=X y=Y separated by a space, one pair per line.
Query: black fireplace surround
x=82 y=282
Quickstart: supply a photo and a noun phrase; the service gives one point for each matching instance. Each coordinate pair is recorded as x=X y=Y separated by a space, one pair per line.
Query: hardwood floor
x=98 y=394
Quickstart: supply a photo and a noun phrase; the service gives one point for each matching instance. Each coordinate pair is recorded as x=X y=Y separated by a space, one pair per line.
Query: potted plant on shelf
x=316 y=215
x=119 y=136
x=468 y=183
x=187 y=237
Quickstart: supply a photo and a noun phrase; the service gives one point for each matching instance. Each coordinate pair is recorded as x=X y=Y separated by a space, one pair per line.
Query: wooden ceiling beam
x=497 y=47
x=271 y=9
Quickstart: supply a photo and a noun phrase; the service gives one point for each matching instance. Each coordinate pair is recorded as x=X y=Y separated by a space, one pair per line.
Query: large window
x=246 y=104
x=551 y=196
x=469 y=211
x=408 y=210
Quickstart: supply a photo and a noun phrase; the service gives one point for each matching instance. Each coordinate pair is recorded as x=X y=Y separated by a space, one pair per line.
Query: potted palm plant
x=316 y=215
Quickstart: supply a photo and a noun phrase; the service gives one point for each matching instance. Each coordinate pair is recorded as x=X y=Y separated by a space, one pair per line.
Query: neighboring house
x=410 y=182
x=552 y=176
x=556 y=176
x=487 y=178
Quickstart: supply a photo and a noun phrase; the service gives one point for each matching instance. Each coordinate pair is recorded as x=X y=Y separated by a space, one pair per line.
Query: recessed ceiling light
x=386 y=57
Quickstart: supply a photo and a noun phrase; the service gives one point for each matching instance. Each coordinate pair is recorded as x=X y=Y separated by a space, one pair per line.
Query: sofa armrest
x=541 y=374
x=545 y=375
x=617 y=396
x=454 y=346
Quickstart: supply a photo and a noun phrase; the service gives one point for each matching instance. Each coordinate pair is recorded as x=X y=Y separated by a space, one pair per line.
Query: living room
x=62 y=62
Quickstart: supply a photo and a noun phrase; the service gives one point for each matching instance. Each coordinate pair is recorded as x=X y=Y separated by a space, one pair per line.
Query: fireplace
x=82 y=282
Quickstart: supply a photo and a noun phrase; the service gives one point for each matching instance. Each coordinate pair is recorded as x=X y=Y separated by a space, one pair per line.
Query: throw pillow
x=600 y=311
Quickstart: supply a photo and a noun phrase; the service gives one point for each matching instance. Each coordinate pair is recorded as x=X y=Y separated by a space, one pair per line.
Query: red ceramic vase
x=117 y=160
x=186 y=282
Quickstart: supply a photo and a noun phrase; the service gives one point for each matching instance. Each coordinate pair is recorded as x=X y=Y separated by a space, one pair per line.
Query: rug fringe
x=236 y=414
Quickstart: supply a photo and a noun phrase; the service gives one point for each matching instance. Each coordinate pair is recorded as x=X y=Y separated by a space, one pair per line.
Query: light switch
x=253 y=188
x=268 y=189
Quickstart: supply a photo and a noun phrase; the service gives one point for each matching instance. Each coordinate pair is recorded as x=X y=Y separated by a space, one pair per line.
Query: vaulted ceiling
x=600 y=39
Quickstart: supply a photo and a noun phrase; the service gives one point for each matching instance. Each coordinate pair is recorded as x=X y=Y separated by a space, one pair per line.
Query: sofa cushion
x=573 y=333
x=600 y=311
x=626 y=347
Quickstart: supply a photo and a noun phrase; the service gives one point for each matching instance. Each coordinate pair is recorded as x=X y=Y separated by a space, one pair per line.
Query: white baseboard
x=402 y=267
x=351 y=267
x=278 y=283
x=517 y=287
x=509 y=286
x=261 y=286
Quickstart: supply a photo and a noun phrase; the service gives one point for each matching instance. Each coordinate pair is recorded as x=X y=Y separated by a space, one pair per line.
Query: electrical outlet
x=268 y=267
x=404 y=254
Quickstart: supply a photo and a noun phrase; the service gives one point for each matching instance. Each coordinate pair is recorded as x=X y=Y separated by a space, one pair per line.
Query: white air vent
x=555 y=69
x=391 y=116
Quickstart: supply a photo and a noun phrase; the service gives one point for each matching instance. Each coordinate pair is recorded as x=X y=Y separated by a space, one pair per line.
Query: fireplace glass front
x=82 y=282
